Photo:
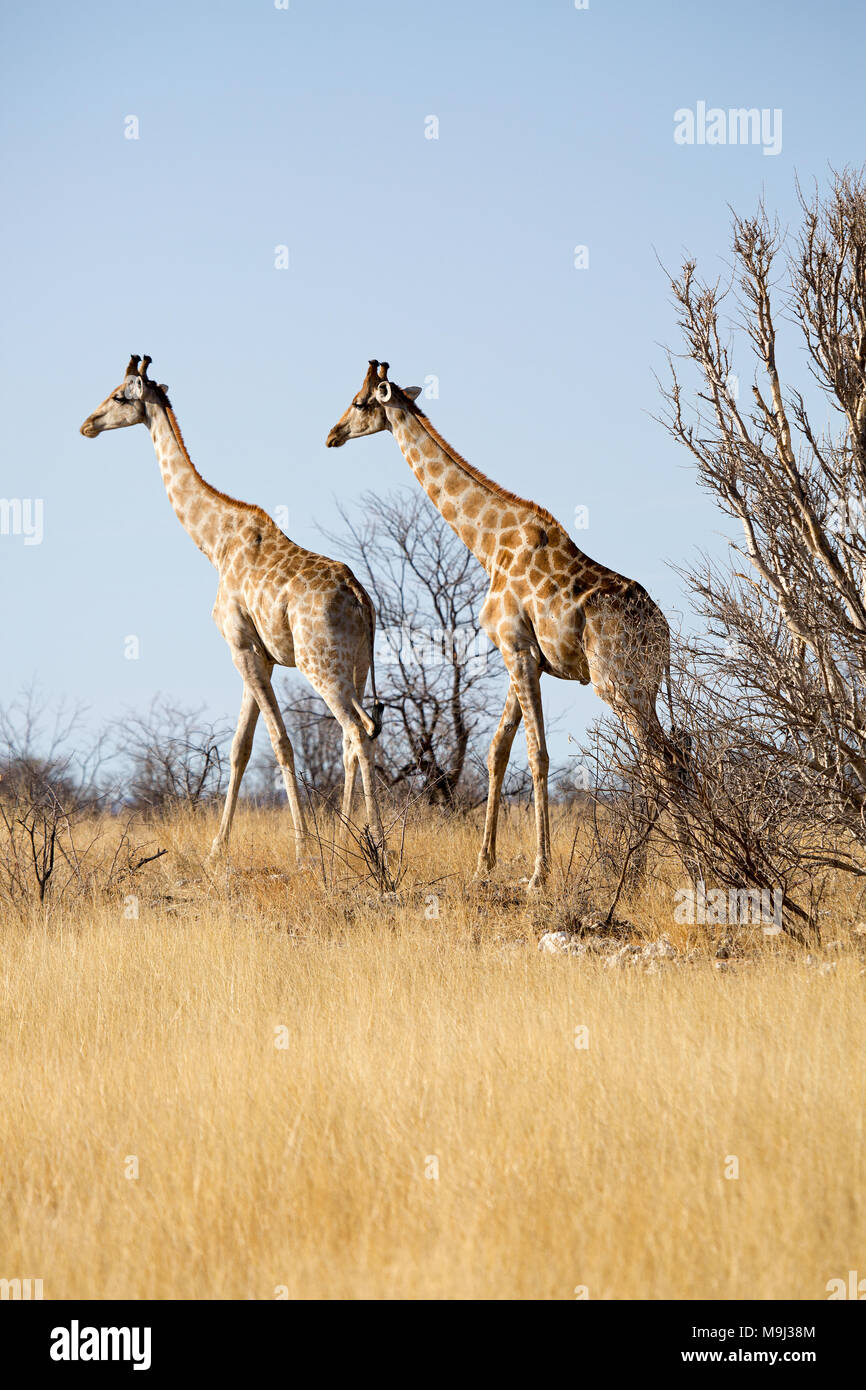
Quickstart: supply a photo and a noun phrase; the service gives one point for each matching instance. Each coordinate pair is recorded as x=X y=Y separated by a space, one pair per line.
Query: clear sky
x=453 y=257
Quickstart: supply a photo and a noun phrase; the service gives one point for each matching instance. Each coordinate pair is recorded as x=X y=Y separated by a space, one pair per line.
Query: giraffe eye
x=121 y=399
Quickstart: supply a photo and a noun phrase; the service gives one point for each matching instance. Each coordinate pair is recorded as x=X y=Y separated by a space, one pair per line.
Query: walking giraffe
x=276 y=604
x=550 y=609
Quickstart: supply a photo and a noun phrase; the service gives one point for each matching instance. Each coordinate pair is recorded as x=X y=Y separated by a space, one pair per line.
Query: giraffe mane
x=258 y=512
x=482 y=478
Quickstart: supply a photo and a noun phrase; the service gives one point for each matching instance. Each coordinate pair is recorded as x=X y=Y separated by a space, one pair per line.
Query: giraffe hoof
x=536 y=884
x=485 y=863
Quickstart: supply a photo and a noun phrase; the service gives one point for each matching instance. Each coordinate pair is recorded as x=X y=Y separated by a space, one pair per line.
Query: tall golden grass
x=262 y=1087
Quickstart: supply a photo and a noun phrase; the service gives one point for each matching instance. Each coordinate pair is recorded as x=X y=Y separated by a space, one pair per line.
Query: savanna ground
x=328 y=1093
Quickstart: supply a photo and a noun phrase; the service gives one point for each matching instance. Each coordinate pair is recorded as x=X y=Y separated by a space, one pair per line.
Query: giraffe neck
x=200 y=508
x=473 y=507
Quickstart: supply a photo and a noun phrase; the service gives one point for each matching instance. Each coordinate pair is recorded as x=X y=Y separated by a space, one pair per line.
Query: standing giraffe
x=276 y=604
x=549 y=609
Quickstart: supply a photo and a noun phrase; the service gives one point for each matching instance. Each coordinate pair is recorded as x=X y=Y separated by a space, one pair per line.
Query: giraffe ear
x=413 y=392
x=133 y=388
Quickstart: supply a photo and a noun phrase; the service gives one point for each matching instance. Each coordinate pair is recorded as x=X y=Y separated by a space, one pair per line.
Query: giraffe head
x=366 y=413
x=127 y=403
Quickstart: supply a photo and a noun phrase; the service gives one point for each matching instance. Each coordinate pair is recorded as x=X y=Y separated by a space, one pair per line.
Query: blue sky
x=451 y=257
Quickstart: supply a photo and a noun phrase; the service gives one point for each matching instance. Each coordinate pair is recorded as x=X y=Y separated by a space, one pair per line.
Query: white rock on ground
x=651 y=957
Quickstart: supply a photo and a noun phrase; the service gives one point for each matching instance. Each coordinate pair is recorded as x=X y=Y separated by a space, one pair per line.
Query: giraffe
x=276 y=604
x=550 y=609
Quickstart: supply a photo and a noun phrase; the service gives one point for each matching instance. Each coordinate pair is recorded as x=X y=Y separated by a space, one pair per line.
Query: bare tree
x=37 y=758
x=169 y=755
x=772 y=695
x=55 y=842
x=435 y=667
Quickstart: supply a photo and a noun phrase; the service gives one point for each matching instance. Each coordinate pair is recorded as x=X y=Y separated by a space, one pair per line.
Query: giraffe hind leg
x=342 y=699
x=627 y=648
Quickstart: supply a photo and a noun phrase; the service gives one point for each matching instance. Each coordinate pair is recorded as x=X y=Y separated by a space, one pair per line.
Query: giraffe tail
x=680 y=740
x=668 y=690
x=372 y=723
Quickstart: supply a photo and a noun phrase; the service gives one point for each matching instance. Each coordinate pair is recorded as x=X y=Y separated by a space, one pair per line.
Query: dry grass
x=411 y=1037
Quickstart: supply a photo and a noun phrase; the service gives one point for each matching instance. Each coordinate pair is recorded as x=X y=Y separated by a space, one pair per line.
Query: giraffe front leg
x=257 y=677
x=242 y=746
x=497 y=763
x=525 y=675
